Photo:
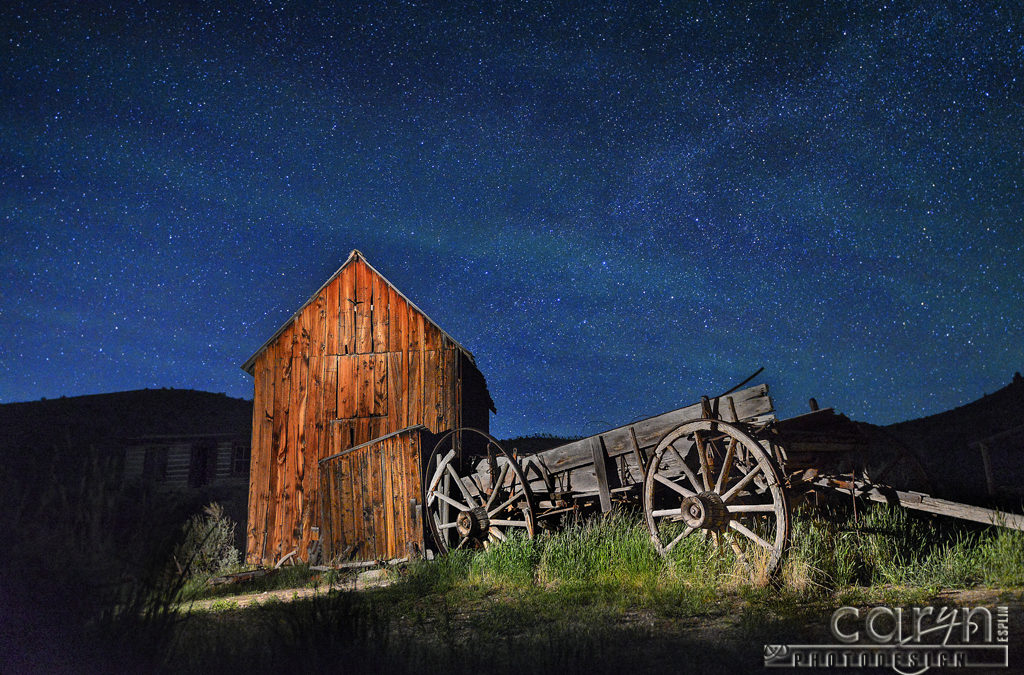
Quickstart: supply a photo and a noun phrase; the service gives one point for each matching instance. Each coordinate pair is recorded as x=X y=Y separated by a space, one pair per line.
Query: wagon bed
x=724 y=468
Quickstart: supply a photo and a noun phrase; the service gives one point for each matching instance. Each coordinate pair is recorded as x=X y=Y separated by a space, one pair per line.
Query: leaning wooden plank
x=922 y=502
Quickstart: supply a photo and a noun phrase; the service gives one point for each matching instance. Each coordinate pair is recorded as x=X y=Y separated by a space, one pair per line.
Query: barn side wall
x=357 y=363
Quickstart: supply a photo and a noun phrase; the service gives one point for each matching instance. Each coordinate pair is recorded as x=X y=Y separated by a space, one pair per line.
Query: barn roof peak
x=356 y=254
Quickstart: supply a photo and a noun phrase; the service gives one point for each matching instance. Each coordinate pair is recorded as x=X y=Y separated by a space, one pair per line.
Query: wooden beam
x=601 y=470
x=921 y=502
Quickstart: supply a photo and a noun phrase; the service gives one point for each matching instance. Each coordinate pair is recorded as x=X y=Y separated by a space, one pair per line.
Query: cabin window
x=240 y=457
x=203 y=465
x=154 y=464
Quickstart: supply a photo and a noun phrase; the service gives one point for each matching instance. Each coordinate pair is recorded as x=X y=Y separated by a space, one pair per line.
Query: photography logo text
x=910 y=640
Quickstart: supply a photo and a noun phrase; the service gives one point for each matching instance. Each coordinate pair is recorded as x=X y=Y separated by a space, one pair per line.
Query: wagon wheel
x=710 y=478
x=472 y=509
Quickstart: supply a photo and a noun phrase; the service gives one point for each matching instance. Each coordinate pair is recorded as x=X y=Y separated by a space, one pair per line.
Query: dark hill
x=943 y=441
x=106 y=420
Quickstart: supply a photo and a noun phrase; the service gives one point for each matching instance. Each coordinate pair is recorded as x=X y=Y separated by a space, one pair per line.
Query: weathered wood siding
x=356 y=363
x=371 y=501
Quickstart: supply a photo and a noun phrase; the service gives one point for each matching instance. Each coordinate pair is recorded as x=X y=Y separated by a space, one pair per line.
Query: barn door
x=370 y=497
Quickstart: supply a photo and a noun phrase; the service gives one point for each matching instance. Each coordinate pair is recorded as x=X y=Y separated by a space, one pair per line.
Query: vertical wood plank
x=363 y=300
x=330 y=398
x=347 y=390
x=414 y=399
x=366 y=501
x=397 y=318
x=381 y=317
x=384 y=522
x=314 y=430
x=396 y=390
x=332 y=315
x=431 y=394
x=396 y=491
x=292 y=498
x=414 y=488
x=431 y=335
x=379 y=406
x=347 y=310
x=318 y=324
x=262 y=456
x=326 y=532
x=282 y=424
x=415 y=330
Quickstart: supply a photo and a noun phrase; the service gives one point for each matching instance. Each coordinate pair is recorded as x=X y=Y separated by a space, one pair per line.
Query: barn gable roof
x=355 y=255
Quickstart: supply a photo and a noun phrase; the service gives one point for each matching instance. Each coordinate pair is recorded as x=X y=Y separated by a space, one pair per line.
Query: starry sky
x=616 y=207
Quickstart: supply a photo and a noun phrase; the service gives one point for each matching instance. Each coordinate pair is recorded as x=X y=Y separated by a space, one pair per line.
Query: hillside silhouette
x=105 y=421
x=943 y=441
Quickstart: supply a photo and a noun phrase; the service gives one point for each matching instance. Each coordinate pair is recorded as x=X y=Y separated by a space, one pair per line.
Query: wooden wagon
x=723 y=468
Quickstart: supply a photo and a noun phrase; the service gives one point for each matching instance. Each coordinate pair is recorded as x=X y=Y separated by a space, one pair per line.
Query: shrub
x=207 y=545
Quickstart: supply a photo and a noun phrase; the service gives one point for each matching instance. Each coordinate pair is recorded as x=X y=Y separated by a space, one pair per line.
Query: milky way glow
x=616 y=207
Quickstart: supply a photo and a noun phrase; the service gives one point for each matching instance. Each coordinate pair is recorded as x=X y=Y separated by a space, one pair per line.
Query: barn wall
x=357 y=363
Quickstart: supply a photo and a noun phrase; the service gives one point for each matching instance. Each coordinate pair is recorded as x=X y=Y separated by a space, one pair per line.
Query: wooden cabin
x=358 y=361
x=184 y=462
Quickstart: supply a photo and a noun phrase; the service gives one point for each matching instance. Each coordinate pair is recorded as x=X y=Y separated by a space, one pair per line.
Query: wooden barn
x=357 y=362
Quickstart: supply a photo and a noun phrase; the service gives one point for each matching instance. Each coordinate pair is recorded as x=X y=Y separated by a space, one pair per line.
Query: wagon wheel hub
x=473 y=523
x=705 y=511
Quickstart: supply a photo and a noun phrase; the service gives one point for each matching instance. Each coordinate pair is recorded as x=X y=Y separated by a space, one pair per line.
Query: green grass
x=592 y=596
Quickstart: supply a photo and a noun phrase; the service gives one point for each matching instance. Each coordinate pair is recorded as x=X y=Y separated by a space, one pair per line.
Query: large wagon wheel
x=468 y=508
x=710 y=478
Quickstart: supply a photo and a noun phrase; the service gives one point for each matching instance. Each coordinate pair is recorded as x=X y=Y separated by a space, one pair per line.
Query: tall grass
x=567 y=601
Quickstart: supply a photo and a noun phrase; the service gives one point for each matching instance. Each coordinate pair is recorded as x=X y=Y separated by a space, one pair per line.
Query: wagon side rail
x=611 y=463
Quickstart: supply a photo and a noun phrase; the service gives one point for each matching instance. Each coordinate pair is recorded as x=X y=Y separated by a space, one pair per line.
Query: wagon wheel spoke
x=750 y=508
x=726 y=466
x=461 y=495
x=496 y=488
x=744 y=482
x=702 y=455
x=741 y=508
x=509 y=523
x=508 y=502
x=673 y=485
x=460 y=485
x=451 y=502
x=738 y=552
x=438 y=473
x=682 y=535
x=746 y=532
x=687 y=471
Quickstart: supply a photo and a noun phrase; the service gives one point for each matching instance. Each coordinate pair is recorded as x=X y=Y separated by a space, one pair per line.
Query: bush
x=207 y=545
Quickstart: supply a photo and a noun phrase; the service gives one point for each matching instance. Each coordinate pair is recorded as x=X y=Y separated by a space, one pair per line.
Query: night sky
x=616 y=208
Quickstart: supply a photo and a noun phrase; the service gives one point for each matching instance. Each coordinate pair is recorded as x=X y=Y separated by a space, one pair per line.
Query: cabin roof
x=354 y=255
